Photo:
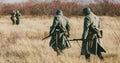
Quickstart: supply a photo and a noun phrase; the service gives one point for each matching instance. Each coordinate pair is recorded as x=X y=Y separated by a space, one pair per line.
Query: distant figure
x=13 y=18
x=60 y=32
x=18 y=14
x=91 y=42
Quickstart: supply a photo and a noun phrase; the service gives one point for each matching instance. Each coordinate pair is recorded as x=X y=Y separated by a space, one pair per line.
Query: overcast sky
x=13 y=1
x=19 y=1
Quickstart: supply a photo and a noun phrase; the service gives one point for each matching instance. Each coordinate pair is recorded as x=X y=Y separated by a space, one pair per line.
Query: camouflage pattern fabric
x=18 y=14
x=13 y=18
x=91 y=43
x=58 y=31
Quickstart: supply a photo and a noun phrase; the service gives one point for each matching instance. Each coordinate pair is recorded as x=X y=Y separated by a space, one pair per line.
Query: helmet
x=86 y=11
x=59 y=12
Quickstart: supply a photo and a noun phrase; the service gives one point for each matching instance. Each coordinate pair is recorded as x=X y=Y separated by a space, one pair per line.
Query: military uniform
x=91 y=42
x=13 y=18
x=59 y=31
x=18 y=14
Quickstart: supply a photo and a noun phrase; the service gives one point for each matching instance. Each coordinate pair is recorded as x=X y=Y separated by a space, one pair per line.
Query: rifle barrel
x=75 y=39
x=46 y=37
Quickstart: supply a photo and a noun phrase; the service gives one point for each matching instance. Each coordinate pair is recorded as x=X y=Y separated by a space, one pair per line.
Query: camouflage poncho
x=18 y=14
x=59 y=39
x=92 y=44
x=13 y=18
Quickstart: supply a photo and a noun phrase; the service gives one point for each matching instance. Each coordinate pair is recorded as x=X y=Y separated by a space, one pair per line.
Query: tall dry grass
x=22 y=43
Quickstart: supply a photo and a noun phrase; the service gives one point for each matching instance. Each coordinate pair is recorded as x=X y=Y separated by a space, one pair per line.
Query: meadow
x=22 y=43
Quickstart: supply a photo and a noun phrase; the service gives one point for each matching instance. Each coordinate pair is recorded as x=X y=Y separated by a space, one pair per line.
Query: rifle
x=75 y=40
x=46 y=37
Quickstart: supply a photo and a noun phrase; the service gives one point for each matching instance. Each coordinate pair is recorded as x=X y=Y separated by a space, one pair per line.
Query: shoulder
x=65 y=17
x=88 y=17
x=95 y=17
x=57 y=16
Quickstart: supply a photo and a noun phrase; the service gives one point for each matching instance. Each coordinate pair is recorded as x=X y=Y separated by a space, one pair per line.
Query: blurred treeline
x=73 y=8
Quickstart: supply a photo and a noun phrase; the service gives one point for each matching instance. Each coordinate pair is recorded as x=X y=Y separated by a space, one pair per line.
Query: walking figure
x=18 y=14
x=91 y=41
x=59 y=32
x=13 y=18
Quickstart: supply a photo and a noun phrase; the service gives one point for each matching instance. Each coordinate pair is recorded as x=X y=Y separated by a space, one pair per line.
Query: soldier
x=91 y=42
x=18 y=14
x=13 y=18
x=59 y=32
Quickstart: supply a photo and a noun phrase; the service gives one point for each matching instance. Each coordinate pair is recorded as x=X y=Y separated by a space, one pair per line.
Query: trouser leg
x=17 y=21
x=100 y=56
x=13 y=21
x=56 y=49
x=87 y=57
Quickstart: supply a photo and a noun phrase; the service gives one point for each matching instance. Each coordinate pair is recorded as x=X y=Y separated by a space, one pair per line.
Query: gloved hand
x=67 y=34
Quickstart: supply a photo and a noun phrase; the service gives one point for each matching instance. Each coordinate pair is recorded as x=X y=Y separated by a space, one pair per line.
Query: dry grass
x=23 y=44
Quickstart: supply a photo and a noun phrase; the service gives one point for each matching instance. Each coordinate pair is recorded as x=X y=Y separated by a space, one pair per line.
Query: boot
x=100 y=56
x=58 y=53
x=87 y=56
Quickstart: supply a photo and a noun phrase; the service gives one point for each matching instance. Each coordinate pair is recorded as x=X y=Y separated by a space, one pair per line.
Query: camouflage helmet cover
x=59 y=12
x=86 y=11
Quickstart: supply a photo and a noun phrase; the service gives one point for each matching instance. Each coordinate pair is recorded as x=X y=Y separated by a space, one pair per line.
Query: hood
x=86 y=11
x=59 y=12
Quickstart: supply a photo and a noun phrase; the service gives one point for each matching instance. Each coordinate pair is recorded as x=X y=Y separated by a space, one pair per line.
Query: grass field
x=22 y=43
